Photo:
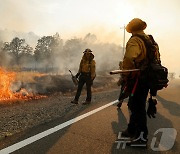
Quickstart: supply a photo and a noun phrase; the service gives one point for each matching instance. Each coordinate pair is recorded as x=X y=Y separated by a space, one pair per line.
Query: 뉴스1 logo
x=167 y=140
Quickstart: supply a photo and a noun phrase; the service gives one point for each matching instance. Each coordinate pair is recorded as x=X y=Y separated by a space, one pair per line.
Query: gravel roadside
x=21 y=116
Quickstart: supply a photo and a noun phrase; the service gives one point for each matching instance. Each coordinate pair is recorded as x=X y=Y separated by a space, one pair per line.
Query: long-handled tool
x=74 y=79
x=124 y=71
x=124 y=87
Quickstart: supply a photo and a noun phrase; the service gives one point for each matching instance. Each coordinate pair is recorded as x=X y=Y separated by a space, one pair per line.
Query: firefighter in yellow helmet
x=86 y=75
x=135 y=58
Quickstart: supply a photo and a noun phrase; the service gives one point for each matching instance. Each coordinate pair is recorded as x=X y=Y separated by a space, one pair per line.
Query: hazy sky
x=102 y=17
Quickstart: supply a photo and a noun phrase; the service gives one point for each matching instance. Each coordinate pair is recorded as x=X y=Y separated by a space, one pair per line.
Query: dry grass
x=28 y=76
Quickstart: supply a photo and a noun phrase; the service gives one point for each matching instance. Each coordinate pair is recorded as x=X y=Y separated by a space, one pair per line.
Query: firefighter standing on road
x=135 y=58
x=86 y=74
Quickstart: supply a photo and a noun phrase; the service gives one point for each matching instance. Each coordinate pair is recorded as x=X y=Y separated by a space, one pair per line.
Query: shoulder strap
x=145 y=40
x=150 y=45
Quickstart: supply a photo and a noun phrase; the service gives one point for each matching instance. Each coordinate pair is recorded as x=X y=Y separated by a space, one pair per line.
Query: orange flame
x=6 y=79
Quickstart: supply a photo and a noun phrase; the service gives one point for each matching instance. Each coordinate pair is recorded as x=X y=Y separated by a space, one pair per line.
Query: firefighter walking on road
x=86 y=75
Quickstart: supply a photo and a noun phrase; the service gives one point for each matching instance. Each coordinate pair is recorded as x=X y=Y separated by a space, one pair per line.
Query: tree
x=15 y=47
x=26 y=56
x=72 y=52
x=2 y=54
x=47 y=48
x=73 y=47
x=43 y=49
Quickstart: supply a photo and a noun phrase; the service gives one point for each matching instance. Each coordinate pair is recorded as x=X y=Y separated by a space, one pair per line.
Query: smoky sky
x=69 y=54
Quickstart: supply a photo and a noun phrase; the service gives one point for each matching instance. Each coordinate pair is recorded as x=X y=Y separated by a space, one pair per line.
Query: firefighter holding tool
x=134 y=84
x=86 y=75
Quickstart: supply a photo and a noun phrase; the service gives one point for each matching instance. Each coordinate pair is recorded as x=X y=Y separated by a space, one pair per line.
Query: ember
x=6 y=79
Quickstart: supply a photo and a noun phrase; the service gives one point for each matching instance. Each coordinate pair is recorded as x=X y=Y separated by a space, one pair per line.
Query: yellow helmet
x=135 y=24
x=87 y=50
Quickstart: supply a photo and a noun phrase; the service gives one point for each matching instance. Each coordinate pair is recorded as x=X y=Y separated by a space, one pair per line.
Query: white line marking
x=34 y=138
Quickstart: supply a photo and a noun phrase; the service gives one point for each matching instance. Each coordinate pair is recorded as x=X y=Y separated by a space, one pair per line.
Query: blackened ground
x=49 y=84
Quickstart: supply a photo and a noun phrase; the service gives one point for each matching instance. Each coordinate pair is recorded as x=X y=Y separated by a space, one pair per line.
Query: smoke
x=30 y=37
x=67 y=55
x=107 y=55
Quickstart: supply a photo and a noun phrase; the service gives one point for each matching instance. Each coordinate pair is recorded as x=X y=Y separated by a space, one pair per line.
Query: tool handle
x=71 y=73
x=123 y=71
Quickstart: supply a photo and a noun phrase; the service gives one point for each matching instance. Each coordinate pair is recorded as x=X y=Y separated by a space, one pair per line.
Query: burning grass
x=6 y=80
x=20 y=86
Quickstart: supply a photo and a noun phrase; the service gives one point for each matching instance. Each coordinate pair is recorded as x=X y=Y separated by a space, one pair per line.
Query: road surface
x=98 y=132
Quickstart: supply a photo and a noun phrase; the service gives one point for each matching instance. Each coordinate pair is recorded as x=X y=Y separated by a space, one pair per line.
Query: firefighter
x=86 y=74
x=135 y=58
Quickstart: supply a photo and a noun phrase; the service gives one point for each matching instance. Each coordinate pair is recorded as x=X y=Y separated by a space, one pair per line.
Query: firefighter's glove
x=151 y=111
x=77 y=75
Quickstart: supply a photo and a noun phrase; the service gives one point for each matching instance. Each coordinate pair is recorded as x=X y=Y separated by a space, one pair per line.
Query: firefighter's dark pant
x=137 y=106
x=84 y=78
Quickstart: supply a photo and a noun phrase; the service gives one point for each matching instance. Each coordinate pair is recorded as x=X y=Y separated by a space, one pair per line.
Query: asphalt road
x=98 y=132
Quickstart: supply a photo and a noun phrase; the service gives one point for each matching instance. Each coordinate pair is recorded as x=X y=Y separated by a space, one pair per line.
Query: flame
x=6 y=79
x=25 y=95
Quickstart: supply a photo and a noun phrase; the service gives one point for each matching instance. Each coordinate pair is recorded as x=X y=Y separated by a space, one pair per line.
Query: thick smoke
x=67 y=55
x=107 y=56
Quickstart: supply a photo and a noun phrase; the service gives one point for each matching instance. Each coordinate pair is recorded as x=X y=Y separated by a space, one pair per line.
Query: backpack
x=156 y=74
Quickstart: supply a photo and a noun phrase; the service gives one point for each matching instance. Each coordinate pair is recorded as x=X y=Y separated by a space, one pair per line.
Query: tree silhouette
x=46 y=50
x=26 y=56
x=15 y=48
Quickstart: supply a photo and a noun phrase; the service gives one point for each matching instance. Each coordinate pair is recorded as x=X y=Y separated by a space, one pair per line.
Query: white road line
x=34 y=138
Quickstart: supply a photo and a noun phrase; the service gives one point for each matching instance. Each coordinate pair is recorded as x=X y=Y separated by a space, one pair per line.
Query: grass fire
x=7 y=90
x=6 y=78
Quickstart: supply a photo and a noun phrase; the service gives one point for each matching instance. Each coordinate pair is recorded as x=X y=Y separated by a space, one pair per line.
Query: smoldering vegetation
x=63 y=84
x=55 y=57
